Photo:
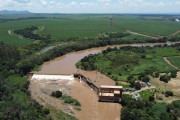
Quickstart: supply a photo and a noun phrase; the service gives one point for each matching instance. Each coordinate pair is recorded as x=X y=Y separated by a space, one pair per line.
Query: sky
x=93 y=6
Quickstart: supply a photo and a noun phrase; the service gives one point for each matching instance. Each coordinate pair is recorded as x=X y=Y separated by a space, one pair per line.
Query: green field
x=62 y=27
x=146 y=93
x=119 y=64
x=175 y=61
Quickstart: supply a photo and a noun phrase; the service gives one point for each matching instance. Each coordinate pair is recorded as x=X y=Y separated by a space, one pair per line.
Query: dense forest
x=148 y=110
x=15 y=98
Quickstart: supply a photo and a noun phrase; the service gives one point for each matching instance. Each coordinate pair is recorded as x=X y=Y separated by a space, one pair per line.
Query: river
x=91 y=108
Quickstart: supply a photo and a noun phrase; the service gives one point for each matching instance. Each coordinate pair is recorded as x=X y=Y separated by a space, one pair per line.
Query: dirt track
x=135 y=33
x=167 y=61
x=177 y=32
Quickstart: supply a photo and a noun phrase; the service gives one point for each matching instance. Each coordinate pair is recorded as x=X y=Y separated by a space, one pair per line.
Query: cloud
x=104 y=0
x=95 y=6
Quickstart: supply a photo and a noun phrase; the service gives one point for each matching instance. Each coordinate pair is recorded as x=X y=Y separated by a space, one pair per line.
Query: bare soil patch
x=173 y=85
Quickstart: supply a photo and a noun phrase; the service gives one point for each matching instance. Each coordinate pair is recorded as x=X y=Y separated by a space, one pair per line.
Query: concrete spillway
x=52 y=77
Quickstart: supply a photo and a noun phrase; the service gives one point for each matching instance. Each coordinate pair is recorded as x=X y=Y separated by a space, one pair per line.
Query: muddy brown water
x=91 y=108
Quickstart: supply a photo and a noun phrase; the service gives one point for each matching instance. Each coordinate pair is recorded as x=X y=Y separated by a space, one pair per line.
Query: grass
x=37 y=68
x=119 y=64
x=60 y=115
x=70 y=100
x=145 y=94
x=81 y=26
x=175 y=61
x=124 y=85
x=20 y=97
x=13 y=39
x=16 y=80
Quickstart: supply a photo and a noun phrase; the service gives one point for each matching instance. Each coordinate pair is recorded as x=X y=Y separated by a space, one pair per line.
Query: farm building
x=110 y=93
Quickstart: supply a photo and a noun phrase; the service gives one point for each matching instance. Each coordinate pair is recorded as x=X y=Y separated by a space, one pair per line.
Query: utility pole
x=111 y=20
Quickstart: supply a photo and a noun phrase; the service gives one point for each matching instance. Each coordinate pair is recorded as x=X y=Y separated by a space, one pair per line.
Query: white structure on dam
x=52 y=77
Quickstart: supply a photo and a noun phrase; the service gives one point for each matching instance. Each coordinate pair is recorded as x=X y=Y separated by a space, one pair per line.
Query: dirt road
x=136 y=33
x=168 y=62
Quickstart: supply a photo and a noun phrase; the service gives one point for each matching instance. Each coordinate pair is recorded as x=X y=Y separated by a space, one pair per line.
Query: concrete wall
x=87 y=81
x=52 y=77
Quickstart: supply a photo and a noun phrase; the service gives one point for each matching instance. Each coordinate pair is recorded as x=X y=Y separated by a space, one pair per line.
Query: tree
x=130 y=77
x=151 y=98
x=125 y=99
x=132 y=82
x=134 y=114
x=169 y=93
x=143 y=56
x=165 y=78
x=174 y=108
x=56 y=94
x=173 y=74
x=156 y=74
x=145 y=78
x=137 y=86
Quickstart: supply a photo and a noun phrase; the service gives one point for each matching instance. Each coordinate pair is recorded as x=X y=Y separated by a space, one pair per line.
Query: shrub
x=173 y=74
x=137 y=86
x=156 y=74
x=56 y=94
x=132 y=83
x=174 y=108
x=70 y=100
x=151 y=98
x=165 y=78
x=46 y=111
x=130 y=77
x=143 y=56
x=125 y=99
x=169 y=93
x=145 y=79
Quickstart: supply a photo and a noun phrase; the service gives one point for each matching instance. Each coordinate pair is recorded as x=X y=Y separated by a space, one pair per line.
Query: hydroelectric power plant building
x=110 y=93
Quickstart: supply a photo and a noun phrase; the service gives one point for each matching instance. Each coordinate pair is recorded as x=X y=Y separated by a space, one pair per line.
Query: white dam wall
x=52 y=77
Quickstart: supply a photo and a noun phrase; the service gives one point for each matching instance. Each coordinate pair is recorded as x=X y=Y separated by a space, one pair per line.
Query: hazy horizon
x=94 y=6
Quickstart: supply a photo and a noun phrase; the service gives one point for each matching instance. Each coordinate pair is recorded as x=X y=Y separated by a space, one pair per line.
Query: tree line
x=29 y=33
